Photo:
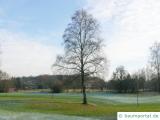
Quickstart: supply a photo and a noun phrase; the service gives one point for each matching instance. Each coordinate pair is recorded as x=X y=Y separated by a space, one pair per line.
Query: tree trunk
x=158 y=82
x=83 y=89
x=84 y=95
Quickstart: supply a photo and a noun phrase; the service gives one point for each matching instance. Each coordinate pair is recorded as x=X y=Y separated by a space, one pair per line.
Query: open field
x=33 y=106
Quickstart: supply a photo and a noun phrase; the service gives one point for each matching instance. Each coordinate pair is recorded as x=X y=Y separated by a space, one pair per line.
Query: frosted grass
x=105 y=97
x=114 y=98
x=6 y=115
x=128 y=99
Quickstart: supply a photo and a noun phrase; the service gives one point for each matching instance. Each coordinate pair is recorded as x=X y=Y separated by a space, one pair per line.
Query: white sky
x=24 y=56
x=134 y=26
x=129 y=28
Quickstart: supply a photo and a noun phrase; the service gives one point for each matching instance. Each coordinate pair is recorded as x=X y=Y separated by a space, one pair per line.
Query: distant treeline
x=123 y=82
x=56 y=83
x=120 y=82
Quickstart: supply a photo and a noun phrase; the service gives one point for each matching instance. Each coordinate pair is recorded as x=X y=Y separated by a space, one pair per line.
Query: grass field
x=36 y=106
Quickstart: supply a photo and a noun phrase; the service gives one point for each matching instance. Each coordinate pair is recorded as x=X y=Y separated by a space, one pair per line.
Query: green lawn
x=101 y=106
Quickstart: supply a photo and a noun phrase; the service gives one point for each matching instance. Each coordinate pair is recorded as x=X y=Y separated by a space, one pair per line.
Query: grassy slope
x=68 y=105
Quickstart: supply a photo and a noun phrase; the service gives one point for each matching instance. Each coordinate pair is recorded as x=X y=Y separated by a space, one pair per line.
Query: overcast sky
x=31 y=32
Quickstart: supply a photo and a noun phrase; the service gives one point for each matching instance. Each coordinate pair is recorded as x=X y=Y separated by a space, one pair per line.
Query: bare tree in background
x=155 y=61
x=120 y=72
x=0 y=62
x=83 y=54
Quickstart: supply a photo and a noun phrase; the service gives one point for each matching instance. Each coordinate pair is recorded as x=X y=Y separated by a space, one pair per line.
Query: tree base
x=85 y=103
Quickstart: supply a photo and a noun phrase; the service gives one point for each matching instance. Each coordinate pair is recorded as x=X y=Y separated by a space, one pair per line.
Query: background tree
x=83 y=53
x=122 y=81
x=140 y=77
x=155 y=61
x=120 y=72
x=56 y=86
x=119 y=75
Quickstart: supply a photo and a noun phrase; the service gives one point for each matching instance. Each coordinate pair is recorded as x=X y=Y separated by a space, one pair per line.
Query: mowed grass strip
x=68 y=105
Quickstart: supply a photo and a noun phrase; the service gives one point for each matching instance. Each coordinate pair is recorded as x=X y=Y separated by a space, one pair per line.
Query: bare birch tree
x=155 y=61
x=83 y=48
